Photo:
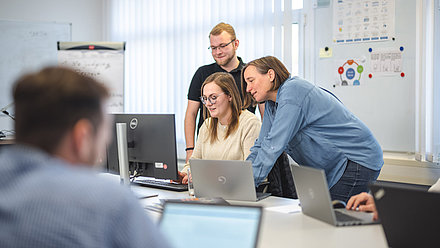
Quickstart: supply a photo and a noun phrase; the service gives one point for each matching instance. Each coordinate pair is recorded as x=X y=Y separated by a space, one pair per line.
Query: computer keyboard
x=341 y=217
x=161 y=184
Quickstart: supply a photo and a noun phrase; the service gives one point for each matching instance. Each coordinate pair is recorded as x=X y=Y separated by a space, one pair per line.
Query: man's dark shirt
x=205 y=71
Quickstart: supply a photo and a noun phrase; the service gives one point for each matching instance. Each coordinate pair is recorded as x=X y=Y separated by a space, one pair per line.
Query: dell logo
x=311 y=193
x=133 y=123
x=221 y=179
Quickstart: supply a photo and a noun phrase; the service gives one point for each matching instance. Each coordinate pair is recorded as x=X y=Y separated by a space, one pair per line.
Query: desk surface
x=290 y=230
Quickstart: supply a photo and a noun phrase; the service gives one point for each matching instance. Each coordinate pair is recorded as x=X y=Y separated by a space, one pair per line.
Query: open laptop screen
x=203 y=225
x=409 y=214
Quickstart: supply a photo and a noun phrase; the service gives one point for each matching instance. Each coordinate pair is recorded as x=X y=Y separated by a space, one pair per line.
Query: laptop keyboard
x=161 y=184
x=341 y=217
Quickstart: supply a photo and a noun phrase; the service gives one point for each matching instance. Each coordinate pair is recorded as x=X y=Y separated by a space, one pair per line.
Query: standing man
x=224 y=44
x=50 y=197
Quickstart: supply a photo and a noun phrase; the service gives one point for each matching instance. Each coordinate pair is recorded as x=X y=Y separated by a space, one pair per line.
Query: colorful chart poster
x=363 y=20
x=349 y=72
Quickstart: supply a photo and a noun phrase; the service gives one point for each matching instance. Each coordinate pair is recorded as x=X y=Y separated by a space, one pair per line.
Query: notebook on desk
x=207 y=225
x=409 y=216
x=314 y=196
x=229 y=179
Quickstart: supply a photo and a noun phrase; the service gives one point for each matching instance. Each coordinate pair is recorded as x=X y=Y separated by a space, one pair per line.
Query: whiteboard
x=385 y=103
x=26 y=46
x=107 y=66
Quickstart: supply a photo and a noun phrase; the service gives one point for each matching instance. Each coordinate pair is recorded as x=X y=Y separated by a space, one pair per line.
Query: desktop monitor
x=151 y=145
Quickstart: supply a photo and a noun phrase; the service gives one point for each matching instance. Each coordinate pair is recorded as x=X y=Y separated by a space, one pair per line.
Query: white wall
x=385 y=103
x=85 y=15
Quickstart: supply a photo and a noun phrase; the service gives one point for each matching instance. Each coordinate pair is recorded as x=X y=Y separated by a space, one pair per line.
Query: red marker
x=370 y=75
x=402 y=74
x=91 y=47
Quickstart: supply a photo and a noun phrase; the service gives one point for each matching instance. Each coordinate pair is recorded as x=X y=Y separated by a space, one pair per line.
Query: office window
x=436 y=84
x=428 y=115
x=168 y=40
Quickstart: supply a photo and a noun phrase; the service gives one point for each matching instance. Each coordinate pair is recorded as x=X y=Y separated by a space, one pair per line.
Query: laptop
x=207 y=225
x=314 y=196
x=409 y=215
x=228 y=179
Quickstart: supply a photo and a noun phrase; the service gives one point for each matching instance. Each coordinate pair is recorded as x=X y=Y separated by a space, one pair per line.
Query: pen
x=147 y=196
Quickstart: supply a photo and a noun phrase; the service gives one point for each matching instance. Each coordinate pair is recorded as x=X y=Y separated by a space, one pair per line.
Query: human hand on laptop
x=363 y=202
x=183 y=178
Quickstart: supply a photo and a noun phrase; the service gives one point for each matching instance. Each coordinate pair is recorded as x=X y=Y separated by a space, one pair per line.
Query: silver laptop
x=228 y=179
x=208 y=225
x=312 y=189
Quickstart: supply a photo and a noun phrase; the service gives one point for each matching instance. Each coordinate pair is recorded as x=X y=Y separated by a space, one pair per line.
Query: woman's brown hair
x=227 y=84
x=263 y=65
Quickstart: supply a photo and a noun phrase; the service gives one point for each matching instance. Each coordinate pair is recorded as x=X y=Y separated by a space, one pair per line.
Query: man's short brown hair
x=50 y=102
x=219 y=28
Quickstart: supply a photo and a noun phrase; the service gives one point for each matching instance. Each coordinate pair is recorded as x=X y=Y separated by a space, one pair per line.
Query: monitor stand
x=121 y=139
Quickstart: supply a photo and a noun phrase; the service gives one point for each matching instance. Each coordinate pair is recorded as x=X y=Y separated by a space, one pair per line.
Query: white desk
x=292 y=230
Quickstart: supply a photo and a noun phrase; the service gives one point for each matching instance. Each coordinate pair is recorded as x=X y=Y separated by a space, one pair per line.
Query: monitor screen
x=206 y=225
x=151 y=145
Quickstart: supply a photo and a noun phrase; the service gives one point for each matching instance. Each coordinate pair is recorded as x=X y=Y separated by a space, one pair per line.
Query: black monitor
x=151 y=145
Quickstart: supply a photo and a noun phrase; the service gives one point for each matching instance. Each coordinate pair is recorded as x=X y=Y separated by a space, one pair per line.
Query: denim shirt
x=316 y=130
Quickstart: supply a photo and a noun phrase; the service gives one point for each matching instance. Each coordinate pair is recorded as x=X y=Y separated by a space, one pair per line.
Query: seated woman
x=228 y=132
x=313 y=127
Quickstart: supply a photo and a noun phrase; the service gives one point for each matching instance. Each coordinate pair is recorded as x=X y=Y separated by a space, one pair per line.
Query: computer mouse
x=338 y=204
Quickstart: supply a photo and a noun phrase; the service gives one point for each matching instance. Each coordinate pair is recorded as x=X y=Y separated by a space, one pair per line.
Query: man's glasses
x=221 y=47
x=212 y=98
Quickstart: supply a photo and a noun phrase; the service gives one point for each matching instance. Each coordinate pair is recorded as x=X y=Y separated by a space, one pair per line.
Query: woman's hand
x=183 y=177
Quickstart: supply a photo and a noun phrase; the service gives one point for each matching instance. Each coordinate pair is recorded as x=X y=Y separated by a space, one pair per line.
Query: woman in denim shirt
x=313 y=127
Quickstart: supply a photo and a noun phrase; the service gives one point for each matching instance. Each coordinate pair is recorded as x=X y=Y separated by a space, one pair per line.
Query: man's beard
x=227 y=61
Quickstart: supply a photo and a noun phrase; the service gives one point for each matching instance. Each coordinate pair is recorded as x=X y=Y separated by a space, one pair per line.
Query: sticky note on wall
x=326 y=52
